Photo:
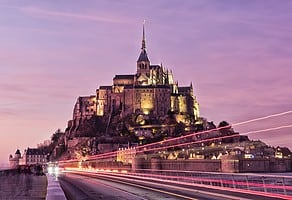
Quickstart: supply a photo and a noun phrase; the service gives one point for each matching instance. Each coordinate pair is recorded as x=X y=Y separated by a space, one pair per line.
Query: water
x=4 y=166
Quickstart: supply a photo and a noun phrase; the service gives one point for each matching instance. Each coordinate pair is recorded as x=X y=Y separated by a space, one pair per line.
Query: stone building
x=30 y=156
x=33 y=156
x=150 y=91
x=14 y=161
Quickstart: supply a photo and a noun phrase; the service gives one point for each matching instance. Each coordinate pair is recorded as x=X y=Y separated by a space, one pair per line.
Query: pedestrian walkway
x=54 y=190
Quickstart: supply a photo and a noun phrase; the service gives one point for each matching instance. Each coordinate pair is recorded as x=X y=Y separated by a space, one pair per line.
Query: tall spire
x=143 y=55
x=143 y=39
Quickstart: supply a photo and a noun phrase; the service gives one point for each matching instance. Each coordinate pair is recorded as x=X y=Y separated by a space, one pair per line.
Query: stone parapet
x=54 y=190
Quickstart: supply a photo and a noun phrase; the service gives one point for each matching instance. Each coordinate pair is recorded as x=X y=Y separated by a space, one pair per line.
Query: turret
x=17 y=154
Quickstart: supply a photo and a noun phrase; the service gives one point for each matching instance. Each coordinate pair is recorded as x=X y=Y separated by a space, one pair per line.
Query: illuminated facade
x=31 y=156
x=150 y=91
x=15 y=161
x=126 y=155
x=85 y=107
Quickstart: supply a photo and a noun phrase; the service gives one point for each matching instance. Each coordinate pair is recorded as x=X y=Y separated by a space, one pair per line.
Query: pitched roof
x=184 y=89
x=35 y=152
x=151 y=86
x=155 y=66
x=105 y=87
x=129 y=87
x=128 y=76
x=143 y=56
x=17 y=152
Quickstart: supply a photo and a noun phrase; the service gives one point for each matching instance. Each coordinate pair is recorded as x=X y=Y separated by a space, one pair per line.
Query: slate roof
x=128 y=87
x=35 y=152
x=184 y=89
x=152 y=86
x=145 y=86
x=128 y=76
x=105 y=87
x=143 y=56
x=124 y=85
x=284 y=150
x=17 y=152
x=155 y=66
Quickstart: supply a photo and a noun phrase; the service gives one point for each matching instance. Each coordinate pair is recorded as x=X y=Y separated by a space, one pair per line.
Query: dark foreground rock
x=22 y=186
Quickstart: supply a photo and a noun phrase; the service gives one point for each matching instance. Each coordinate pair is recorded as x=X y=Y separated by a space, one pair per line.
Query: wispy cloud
x=79 y=16
x=6 y=112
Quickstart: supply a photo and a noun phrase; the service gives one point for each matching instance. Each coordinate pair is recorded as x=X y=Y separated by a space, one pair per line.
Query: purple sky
x=236 y=53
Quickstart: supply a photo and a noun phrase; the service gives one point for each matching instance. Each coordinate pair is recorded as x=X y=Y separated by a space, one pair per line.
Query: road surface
x=83 y=185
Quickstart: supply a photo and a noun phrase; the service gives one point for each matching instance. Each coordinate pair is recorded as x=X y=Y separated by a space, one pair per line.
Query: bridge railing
x=271 y=185
x=258 y=183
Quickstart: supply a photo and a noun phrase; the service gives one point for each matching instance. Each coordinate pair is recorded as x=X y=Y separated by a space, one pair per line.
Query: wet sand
x=22 y=186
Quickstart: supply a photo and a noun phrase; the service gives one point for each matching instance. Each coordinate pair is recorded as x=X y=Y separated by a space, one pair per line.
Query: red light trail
x=263 y=118
x=153 y=146
x=185 y=141
x=220 y=184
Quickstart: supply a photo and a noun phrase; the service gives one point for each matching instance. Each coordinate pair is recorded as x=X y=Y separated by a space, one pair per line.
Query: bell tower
x=143 y=63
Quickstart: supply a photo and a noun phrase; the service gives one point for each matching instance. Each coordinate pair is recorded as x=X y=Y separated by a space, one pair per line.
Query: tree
x=55 y=137
x=179 y=128
x=225 y=128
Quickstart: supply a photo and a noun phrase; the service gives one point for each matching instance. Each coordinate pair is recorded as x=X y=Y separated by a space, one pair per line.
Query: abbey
x=150 y=91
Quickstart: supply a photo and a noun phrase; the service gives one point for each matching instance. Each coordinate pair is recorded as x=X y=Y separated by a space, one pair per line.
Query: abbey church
x=151 y=91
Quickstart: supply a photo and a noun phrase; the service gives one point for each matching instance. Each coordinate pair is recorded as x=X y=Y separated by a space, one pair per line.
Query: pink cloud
x=57 y=14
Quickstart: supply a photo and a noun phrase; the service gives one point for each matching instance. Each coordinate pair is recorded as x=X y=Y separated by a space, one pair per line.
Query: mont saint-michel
x=148 y=115
x=98 y=104
x=149 y=95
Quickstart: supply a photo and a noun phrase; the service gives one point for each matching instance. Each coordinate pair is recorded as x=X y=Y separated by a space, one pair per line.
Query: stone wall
x=192 y=165
x=266 y=165
x=187 y=165
x=228 y=164
x=75 y=141
x=256 y=165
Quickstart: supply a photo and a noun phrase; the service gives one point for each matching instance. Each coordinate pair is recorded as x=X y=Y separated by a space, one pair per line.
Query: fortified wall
x=226 y=164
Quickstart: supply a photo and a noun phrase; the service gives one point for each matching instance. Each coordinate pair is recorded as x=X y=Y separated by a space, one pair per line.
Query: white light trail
x=152 y=146
x=262 y=118
x=268 y=129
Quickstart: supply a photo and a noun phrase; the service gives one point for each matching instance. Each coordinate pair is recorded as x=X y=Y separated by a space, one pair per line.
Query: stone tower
x=143 y=64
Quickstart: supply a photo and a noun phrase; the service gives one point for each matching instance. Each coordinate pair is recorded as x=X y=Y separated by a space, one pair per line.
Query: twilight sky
x=237 y=53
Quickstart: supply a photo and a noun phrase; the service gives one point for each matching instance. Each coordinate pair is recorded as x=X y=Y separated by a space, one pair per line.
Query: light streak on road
x=158 y=190
x=161 y=145
x=130 y=179
x=181 y=180
x=150 y=176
